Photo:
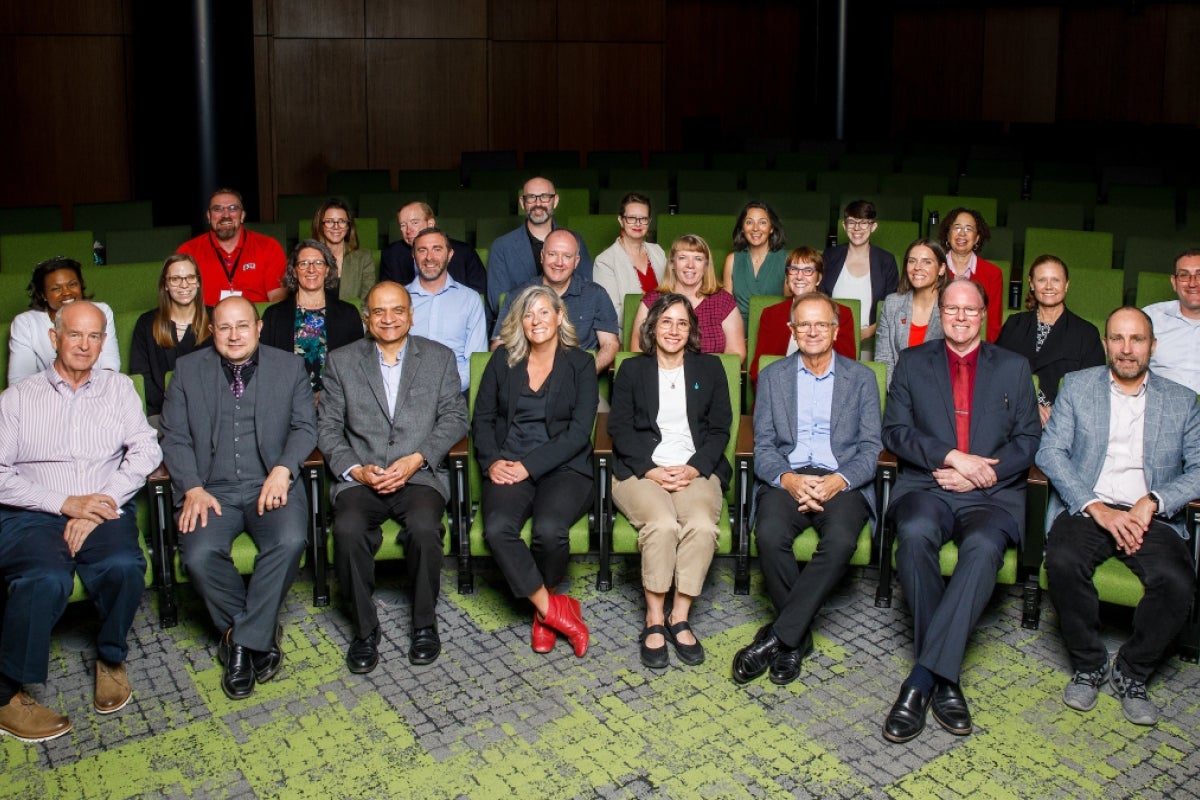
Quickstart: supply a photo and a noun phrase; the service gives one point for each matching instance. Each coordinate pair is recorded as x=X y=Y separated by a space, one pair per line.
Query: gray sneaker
x=1083 y=689
x=1134 y=701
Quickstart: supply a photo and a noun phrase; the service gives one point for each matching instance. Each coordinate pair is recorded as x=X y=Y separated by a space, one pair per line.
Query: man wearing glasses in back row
x=962 y=420
x=516 y=257
x=1177 y=325
x=233 y=261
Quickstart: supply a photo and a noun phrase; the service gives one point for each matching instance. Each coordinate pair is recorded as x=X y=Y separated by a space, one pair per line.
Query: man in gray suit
x=238 y=423
x=1122 y=450
x=816 y=442
x=390 y=412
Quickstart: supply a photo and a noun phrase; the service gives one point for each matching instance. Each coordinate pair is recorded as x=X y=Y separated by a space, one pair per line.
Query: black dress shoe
x=754 y=659
x=950 y=708
x=267 y=664
x=238 y=680
x=426 y=646
x=907 y=717
x=223 y=647
x=785 y=667
x=363 y=654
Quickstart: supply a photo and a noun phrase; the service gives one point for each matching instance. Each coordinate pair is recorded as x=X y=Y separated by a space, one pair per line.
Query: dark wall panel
x=427 y=19
x=1113 y=64
x=613 y=21
x=1020 y=65
x=610 y=97
x=320 y=19
x=523 y=96
x=937 y=67
x=524 y=20
x=1181 y=100
x=64 y=17
x=426 y=102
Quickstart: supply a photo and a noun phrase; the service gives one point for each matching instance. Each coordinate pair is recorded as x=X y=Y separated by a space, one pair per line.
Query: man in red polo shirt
x=235 y=261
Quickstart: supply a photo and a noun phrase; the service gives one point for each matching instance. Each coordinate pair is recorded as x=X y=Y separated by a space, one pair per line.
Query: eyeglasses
x=804 y=327
x=635 y=220
x=312 y=265
x=545 y=197
x=963 y=228
x=857 y=224
x=967 y=311
x=183 y=280
x=802 y=269
x=1187 y=277
x=232 y=208
x=336 y=223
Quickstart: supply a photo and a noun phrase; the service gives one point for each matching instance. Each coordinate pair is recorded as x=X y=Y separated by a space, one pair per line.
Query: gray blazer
x=1075 y=442
x=285 y=421
x=895 y=323
x=357 y=427
x=854 y=426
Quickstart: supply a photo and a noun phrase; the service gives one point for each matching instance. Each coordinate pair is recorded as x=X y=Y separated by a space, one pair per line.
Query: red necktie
x=962 y=405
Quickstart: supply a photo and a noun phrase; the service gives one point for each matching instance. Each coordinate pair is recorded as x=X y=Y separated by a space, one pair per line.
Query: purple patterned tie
x=237 y=385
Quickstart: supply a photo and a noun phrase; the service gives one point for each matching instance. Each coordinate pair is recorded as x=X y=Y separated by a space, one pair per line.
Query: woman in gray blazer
x=910 y=316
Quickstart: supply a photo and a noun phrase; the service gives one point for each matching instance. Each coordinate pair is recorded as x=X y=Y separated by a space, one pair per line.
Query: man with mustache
x=233 y=261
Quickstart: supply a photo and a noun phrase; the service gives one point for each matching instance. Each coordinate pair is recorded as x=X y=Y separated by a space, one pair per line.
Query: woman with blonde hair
x=532 y=429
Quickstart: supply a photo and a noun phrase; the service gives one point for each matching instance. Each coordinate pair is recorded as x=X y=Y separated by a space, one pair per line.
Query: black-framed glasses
x=232 y=208
x=545 y=197
x=636 y=220
x=803 y=269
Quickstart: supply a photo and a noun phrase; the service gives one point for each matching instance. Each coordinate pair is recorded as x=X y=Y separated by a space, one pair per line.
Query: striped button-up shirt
x=56 y=442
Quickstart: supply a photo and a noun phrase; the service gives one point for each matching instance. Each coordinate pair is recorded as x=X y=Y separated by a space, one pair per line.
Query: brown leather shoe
x=112 y=687
x=26 y=719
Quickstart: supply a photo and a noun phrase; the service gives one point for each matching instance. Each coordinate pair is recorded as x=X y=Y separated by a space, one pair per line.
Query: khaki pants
x=677 y=531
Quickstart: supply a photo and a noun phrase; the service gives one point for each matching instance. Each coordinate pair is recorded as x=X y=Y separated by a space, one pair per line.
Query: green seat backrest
x=1093 y=295
x=572 y=203
x=1081 y=250
x=101 y=218
x=716 y=229
x=758 y=303
x=889 y=235
x=811 y=232
x=125 y=287
x=1005 y=190
x=472 y=204
x=276 y=230
x=711 y=201
x=706 y=180
x=125 y=322
x=760 y=181
x=1025 y=214
x=1154 y=287
x=599 y=231
x=353 y=183
x=21 y=252
x=632 y=301
x=855 y=307
x=489 y=229
x=31 y=219
x=299 y=206
x=797 y=204
x=147 y=244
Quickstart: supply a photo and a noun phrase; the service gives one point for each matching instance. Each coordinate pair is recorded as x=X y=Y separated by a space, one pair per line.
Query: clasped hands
x=391 y=479
x=964 y=472
x=505 y=472
x=811 y=492
x=672 y=479
x=86 y=512
x=1127 y=527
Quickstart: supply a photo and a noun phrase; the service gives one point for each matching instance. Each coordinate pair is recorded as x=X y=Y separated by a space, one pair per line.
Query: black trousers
x=555 y=502
x=357 y=515
x=779 y=523
x=1075 y=546
x=945 y=614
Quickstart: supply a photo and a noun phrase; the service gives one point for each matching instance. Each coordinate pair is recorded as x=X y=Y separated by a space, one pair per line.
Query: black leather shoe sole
x=906 y=720
x=949 y=709
x=755 y=658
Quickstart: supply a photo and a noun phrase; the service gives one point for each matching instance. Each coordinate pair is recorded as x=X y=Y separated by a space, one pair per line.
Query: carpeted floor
x=492 y=719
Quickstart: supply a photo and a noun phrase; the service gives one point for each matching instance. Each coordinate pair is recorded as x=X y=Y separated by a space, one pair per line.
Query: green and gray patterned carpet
x=492 y=719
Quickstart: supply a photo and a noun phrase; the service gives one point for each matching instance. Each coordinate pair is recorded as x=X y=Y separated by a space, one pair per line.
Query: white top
x=1177 y=354
x=676 y=447
x=1122 y=478
x=851 y=287
x=30 y=350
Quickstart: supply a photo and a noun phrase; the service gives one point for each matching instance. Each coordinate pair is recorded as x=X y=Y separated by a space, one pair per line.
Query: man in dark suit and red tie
x=962 y=419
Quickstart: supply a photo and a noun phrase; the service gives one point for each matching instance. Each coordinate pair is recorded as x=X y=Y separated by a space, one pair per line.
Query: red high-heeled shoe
x=565 y=616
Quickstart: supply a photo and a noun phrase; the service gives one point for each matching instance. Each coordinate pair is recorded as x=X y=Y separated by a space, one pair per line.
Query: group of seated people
x=1120 y=444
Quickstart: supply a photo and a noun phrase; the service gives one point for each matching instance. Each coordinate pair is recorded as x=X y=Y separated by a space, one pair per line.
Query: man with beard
x=516 y=257
x=234 y=261
x=1122 y=450
x=443 y=309
x=1177 y=325
x=398 y=261
x=962 y=419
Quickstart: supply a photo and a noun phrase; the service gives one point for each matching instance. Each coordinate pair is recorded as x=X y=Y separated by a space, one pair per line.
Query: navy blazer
x=1073 y=344
x=633 y=418
x=919 y=424
x=571 y=395
x=1075 y=443
x=885 y=276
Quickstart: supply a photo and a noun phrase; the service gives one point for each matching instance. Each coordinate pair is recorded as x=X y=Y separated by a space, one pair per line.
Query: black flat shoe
x=785 y=667
x=907 y=718
x=654 y=657
x=363 y=654
x=950 y=708
x=238 y=680
x=426 y=646
x=754 y=659
x=690 y=654
x=267 y=664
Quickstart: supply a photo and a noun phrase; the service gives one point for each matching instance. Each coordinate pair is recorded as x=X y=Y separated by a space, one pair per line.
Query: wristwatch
x=1154 y=499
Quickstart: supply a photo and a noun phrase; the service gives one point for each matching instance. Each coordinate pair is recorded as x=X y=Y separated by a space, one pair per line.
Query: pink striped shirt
x=55 y=442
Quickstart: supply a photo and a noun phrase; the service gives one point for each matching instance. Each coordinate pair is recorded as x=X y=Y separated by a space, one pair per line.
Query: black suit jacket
x=1073 y=344
x=919 y=424
x=571 y=394
x=343 y=324
x=885 y=276
x=633 y=419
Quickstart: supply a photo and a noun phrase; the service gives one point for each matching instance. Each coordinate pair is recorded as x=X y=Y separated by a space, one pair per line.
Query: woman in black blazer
x=311 y=320
x=534 y=414
x=865 y=262
x=669 y=423
x=1053 y=339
